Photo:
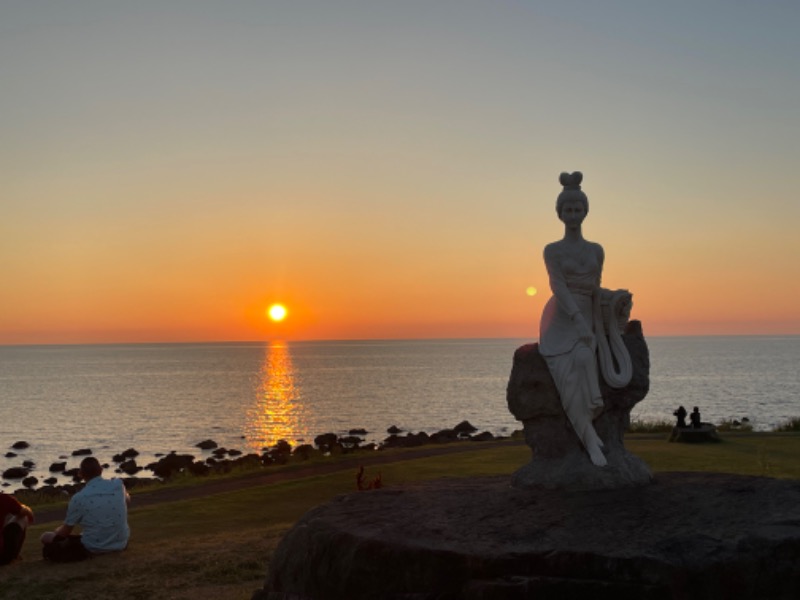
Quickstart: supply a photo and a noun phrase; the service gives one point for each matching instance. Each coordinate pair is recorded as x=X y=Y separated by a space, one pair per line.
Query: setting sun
x=277 y=312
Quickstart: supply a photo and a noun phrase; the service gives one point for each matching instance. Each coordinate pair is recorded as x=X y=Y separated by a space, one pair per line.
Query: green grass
x=761 y=454
x=653 y=426
x=792 y=424
x=219 y=546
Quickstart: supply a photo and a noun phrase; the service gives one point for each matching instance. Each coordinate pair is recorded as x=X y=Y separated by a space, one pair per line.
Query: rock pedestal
x=687 y=536
x=559 y=460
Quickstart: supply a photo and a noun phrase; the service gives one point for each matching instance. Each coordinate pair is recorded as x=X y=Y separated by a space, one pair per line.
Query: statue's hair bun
x=571 y=180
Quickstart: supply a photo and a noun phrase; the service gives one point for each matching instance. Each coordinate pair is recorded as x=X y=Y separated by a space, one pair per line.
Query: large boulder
x=559 y=459
x=690 y=535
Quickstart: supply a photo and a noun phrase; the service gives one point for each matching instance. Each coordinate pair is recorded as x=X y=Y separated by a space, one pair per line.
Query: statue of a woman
x=567 y=337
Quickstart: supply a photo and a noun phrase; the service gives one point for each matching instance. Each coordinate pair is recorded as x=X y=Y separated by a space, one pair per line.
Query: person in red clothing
x=14 y=518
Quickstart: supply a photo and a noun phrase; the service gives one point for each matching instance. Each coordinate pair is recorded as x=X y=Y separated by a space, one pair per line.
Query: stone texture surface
x=559 y=460
x=689 y=535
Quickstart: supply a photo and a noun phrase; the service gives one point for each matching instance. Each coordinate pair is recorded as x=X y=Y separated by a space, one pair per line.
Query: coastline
x=214 y=458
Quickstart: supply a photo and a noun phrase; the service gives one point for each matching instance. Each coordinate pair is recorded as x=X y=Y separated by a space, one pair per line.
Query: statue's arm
x=601 y=258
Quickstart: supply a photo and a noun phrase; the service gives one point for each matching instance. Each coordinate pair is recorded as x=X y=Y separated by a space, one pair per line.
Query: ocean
x=157 y=398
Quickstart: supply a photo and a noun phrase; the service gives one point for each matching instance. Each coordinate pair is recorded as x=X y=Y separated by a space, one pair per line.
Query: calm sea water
x=163 y=397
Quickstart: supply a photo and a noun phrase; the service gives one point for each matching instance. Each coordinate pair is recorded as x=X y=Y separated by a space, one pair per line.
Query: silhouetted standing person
x=681 y=414
x=695 y=418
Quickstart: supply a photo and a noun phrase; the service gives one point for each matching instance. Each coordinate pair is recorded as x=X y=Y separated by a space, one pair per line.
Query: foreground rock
x=690 y=535
x=559 y=460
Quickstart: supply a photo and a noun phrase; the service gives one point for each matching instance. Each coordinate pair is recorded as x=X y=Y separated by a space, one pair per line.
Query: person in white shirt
x=101 y=511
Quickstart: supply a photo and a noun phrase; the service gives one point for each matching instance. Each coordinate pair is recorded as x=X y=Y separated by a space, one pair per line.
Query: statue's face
x=573 y=212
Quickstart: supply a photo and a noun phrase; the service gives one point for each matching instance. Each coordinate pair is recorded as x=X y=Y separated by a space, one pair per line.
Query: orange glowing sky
x=389 y=169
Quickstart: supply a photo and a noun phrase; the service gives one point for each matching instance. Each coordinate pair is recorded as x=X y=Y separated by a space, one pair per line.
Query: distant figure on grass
x=101 y=510
x=14 y=519
x=681 y=414
x=695 y=418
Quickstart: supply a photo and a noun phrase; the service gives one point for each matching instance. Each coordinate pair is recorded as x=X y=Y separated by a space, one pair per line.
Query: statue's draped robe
x=571 y=362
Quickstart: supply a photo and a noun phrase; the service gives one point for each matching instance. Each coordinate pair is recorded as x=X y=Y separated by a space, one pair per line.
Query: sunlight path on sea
x=277 y=411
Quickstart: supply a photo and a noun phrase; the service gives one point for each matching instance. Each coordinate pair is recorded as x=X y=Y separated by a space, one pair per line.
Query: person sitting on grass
x=14 y=520
x=101 y=509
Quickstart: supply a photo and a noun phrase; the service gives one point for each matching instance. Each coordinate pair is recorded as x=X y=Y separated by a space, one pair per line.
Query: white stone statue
x=580 y=321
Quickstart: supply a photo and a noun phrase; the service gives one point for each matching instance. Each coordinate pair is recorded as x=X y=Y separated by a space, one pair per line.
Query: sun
x=277 y=312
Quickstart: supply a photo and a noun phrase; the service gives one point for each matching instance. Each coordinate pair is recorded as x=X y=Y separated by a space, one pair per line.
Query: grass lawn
x=219 y=546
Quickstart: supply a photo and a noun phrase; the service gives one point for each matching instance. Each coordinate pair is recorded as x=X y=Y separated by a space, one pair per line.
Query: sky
x=171 y=168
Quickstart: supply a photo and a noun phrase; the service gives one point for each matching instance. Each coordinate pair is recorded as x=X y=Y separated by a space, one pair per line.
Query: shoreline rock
x=223 y=460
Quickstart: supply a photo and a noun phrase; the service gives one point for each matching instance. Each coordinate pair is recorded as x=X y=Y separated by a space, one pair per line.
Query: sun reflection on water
x=276 y=412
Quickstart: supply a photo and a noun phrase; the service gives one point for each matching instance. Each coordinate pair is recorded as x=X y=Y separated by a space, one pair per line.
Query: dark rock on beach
x=283 y=447
x=410 y=440
x=30 y=482
x=82 y=452
x=11 y=454
x=394 y=429
x=465 y=427
x=21 y=445
x=278 y=454
x=206 y=445
x=57 y=467
x=304 y=451
x=15 y=473
x=325 y=441
x=358 y=431
x=444 y=436
x=170 y=464
x=199 y=468
x=123 y=456
x=350 y=441
x=129 y=467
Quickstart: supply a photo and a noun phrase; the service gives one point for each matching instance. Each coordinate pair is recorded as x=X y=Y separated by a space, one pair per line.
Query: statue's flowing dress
x=572 y=362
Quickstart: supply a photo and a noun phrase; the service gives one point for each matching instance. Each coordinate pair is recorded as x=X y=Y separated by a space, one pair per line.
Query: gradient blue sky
x=389 y=169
